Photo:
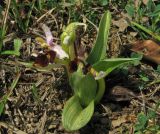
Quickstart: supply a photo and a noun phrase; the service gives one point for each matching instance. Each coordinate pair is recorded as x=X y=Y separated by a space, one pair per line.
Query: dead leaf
x=122 y=24
x=149 y=48
x=133 y=34
x=119 y=121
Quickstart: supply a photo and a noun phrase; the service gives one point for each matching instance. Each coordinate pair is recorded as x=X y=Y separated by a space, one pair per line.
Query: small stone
x=60 y=128
x=52 y=126
x=59 y=107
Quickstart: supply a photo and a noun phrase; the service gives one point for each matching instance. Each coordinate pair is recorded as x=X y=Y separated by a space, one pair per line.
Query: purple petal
x=60 y=53
x=49 y=37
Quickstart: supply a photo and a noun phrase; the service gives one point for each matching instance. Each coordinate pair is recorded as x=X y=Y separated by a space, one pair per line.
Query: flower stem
x=101 y=90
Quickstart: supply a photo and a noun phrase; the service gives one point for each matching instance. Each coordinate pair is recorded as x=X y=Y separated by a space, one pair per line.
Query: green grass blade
x=1 y=38
x=17 y=15
x=2 y=104
x=29 y=15
x=1 y=107
x=35 y=94
x=154 y=35
x=10 y=52
x=5 y=97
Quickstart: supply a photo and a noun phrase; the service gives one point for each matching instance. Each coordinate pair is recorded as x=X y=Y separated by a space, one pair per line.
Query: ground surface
x=35 y=104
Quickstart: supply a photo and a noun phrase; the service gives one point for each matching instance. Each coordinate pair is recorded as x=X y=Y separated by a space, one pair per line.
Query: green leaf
x=78 y=82
x=142 y=122
x=108 y=65
x=16 y=51
x=17 y=45
x=86 y=89
x=74 y=116
x=75 y=79
x=138 y=127
x=142 y=119
x=136 y=55
x=103 y=2
x=158 y=69
x=151 y=114
x=130 y=10
x=150 y=6
x=99 y=50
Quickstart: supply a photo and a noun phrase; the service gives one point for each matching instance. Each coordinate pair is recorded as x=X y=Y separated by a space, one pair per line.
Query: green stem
x=101 y=90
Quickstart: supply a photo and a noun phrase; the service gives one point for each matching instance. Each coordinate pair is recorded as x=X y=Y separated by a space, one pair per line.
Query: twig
x=44 y=15
x=153 y=82
x=6 y=14
x=152 y=93
x=90 y=22
x=143 y=101
x=42 y=123
x=157 y=112
x=13 y=128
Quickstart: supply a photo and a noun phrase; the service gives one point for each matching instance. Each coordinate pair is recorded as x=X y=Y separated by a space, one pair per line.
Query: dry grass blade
x=44 y=15
x=6 y=14
x=84 y=17
x=12 y=128
x=43 y=122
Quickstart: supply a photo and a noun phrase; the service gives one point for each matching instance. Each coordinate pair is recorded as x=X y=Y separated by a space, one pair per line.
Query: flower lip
x=49 y=37
x=73 y=65
x=43 y=59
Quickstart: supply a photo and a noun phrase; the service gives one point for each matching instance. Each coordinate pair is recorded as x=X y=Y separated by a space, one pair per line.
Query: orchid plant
x=86 y=75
